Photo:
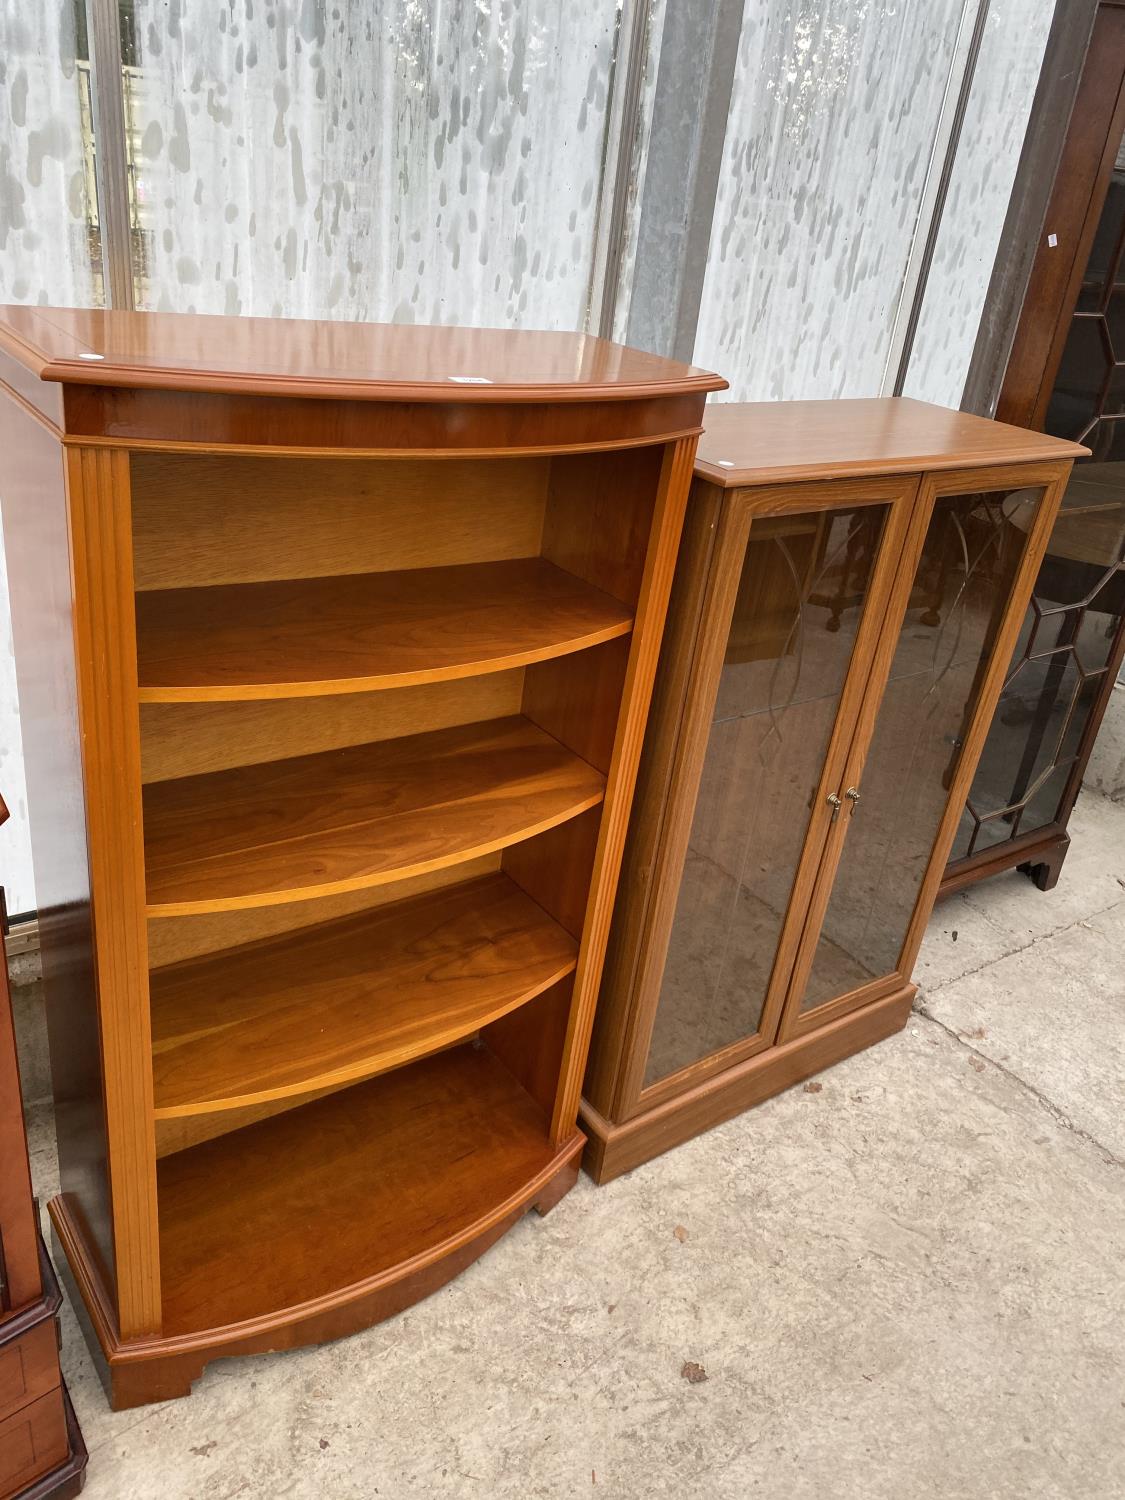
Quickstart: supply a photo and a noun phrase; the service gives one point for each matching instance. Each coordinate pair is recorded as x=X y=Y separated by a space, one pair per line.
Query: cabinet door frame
x=1051 y=478
x=701 y=666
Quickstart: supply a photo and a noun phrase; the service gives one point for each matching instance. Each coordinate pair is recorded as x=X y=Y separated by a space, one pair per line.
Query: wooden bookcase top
x=349 y=361
x=771 y=442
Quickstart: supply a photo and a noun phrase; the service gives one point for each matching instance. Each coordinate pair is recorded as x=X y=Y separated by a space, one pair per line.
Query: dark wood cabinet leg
x=1044 y=871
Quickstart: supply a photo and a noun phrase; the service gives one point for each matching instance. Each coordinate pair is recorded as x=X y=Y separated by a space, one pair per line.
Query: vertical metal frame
x=618 y=164
x=695 y=79
x=1049 y=122
x=111 y=161
x=921 y=273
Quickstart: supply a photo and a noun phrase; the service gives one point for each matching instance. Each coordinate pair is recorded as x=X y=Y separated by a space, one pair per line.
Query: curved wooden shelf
x=418 y=1157
x=345 y=1000
x=328 y=1218
x=344 y=820
x=304 y=637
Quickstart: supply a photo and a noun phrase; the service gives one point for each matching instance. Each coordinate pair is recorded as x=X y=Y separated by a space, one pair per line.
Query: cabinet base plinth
x=617 y=1148
x=142 y=1370
x=1039 y=856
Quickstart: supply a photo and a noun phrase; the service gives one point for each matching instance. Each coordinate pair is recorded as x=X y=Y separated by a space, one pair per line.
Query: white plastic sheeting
x=980 y=188
x=411 y=160
x=836 y=110
x=45 y=256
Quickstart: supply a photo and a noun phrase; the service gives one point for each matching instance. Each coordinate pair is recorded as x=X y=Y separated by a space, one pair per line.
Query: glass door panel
x=957 y=603
x=1072 y=635
x=1058 y=669
x=800 y=597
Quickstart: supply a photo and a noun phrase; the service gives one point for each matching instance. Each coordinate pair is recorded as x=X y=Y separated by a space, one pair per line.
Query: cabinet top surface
x=767 y=442
x=351 y=361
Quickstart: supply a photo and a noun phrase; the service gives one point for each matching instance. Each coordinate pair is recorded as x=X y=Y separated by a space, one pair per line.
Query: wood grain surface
x=357 y=1184
x=312 y=636
x=306 y=357
x=357 y=817
x=763 y=442
x=348 y=999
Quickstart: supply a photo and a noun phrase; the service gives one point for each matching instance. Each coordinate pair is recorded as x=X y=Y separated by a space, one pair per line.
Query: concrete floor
x=908 y=1283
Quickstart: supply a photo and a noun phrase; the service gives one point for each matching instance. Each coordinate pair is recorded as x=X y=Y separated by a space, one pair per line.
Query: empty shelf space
x=344 y=1000
x=307 y=636
x=344 y=820
x=345 y=1193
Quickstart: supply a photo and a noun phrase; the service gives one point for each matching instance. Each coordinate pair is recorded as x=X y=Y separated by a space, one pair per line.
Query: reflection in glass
x=969 y=560
x=1057 y=669
x=800 y=598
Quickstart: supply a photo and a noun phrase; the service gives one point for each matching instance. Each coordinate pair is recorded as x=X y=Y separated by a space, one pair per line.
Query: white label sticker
x=471 y=379
x=1052 y=240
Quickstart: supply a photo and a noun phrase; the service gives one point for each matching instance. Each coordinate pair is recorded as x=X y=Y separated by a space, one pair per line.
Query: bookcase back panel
x=188 y=739
x=214 y=519
x=173 y=939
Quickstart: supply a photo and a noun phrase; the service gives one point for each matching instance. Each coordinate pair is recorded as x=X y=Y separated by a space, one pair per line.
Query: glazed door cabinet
x=1066 y=376
x=832 y=652
x=1062 y=672
x=336 y=642
x=780 y=657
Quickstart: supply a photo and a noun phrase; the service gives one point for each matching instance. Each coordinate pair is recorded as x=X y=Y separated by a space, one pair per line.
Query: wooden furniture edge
x=615 y=1149
x=100 y=525
x=141 y=1370
x=1046 y=845
x=30 y=409
x=306 y=450
x=615 y=1020
x=648 y=627
x=120 y=373
x=1053 y=479
x=873 y=468
x=67 y=1478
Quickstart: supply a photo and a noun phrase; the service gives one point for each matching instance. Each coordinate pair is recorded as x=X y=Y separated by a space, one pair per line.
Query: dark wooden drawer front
x=29 y=1367
x=32 y=1442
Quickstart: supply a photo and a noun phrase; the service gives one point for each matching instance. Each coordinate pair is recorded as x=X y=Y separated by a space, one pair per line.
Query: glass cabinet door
x=1074 y=633
x=802 y=589
x=898 y=786
x=1066 y=648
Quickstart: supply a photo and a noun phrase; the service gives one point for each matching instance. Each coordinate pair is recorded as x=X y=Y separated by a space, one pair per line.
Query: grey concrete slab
x=905 y=1284
x=1105 y=770
x=1053 y=1014
x=991 y=920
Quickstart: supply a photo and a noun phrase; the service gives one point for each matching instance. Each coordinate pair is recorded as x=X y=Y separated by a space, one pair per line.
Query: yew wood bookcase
x=850 y=582
x=335 y=645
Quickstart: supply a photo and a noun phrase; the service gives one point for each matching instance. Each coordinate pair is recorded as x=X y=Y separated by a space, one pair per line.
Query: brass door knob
x=852 y=794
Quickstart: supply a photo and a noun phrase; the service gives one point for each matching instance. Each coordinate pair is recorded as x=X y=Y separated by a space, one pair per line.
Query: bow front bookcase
x=335 y=645
x=851 y=581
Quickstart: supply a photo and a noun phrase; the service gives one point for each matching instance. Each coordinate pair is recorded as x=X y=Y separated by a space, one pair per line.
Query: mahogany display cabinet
x=1072 y=644
x=42 y=1455
x=850 y=582
x=335 y=645
x=1063 y=669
